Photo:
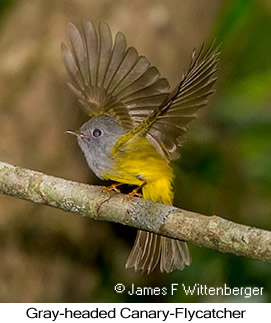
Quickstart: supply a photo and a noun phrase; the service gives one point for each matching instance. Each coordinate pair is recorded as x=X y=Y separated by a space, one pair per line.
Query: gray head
x=96 y=138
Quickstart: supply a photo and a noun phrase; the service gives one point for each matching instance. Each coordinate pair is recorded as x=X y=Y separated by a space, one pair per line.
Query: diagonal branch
x=205 y=231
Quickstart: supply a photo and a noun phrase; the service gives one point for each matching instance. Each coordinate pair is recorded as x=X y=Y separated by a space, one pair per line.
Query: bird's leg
x=112 y=187
x=135 y=191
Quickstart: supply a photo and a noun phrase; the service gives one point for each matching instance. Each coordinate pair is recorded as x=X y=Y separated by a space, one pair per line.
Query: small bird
x=136 y=124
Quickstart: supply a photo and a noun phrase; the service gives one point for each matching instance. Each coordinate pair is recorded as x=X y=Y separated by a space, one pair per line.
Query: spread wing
x=108 y=77
x=166 y=125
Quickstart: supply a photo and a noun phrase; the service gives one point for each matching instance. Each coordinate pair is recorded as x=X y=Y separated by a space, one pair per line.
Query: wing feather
x=127 y=64
x=91 y=44
x=105 y=52
x=72 y=68
x=79 y=52
x=167 y=124
x=118 y=53
x=109 y=77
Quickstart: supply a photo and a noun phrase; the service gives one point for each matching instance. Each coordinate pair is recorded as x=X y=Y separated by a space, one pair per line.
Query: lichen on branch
x=206 y=231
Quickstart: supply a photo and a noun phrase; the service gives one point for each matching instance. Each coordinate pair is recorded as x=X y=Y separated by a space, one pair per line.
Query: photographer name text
x=189 y=290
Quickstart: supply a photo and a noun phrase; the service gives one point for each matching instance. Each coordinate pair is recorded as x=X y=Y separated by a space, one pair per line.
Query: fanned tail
x=150 y=248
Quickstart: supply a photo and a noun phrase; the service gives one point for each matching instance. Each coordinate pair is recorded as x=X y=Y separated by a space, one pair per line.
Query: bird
x=136 y=124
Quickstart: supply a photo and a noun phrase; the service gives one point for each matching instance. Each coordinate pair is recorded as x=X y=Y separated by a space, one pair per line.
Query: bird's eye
x=96 y=133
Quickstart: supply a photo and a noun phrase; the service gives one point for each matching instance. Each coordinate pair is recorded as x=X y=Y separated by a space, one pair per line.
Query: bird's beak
x=77 y=134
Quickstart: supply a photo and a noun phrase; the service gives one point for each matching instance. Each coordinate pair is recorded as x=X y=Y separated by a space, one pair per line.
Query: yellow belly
x=136 y=162
x=139 y=162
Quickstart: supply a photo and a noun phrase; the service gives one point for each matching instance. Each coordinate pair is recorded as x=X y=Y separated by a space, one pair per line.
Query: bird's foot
x=135 y=192
x=112 y=187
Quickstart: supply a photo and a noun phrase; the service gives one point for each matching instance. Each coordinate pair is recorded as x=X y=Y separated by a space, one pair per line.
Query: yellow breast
x=138 y=161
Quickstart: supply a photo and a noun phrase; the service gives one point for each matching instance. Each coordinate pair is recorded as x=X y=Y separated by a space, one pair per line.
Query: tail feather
x=145 y=253
x=174 y=255
x=150 y=248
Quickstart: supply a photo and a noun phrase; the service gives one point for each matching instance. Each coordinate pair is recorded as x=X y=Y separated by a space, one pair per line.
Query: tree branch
x=205 y=231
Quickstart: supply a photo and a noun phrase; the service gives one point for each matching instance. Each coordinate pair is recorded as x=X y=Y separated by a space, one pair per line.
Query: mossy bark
x=90 y=201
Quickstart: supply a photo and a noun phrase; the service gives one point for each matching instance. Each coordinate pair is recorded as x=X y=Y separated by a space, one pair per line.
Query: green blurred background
x=225 y=169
